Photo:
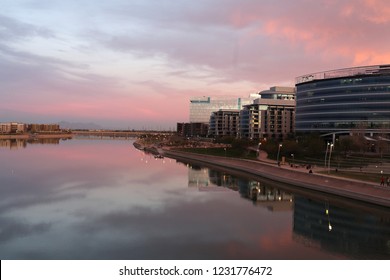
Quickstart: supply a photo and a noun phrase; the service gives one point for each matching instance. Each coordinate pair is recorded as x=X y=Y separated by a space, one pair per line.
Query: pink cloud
x=378 y=11
x=222 y=47
x=351 y=31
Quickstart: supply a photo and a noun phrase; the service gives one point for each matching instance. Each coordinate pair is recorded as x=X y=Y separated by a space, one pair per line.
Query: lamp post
x=258 y=149
x=293 y=158
x=330 y=154
x=326 y=153
x=280 y=145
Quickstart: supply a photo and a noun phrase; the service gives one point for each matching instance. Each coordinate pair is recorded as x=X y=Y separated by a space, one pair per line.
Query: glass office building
x=344 y=100
x=201 y=108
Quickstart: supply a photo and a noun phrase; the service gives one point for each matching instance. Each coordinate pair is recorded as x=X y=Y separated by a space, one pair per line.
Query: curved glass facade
x=344 y=100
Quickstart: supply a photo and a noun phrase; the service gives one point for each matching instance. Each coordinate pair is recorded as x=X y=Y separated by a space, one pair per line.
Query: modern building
x=43 y=127
x=270 y=116
x=16 y=127
x=201 y=108
x=224 y=123
x=344 y=100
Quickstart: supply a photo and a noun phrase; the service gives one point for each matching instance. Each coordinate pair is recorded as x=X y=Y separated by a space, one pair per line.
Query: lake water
x=103 y=199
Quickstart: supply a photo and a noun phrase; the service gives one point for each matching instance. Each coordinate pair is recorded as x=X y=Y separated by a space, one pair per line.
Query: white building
x=270 y=116
x=201 y=108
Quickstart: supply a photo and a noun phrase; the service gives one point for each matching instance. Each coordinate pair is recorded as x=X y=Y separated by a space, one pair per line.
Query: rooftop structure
x=278 y=92
x=345 y=72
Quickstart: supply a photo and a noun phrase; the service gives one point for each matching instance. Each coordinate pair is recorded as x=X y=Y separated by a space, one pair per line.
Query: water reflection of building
x=269 y=197
x=198 y=176
x=207 y=180
x=54 y=141
x=223 y=180
x=16 y=127
x=261 y=195
x=14 y=144
x=355 y=234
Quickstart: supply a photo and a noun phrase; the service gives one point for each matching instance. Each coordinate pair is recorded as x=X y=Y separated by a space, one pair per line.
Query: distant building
x=224 y=123
x=201 y=108
x=43 y=127
x=12 y=127
x=5 y=127
x=16 y=127
x=270 y=116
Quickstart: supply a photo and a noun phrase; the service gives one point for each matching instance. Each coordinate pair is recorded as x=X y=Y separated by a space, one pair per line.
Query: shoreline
x=343 y=187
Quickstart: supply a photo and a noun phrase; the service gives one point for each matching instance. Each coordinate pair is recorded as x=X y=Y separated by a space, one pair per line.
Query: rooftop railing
x=346 y=72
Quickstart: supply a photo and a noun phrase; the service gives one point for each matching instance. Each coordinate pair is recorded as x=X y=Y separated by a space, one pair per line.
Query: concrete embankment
x=352 y=189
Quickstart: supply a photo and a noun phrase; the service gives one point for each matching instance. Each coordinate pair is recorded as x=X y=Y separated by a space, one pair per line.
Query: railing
x=346 y=72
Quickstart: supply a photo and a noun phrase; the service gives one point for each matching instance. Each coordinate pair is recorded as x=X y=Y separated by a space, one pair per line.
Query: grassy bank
x=361 y=176
x=238 y=153
x=223 y=152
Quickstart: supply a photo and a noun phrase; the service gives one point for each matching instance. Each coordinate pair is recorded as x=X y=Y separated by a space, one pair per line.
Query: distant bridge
x=119 y=133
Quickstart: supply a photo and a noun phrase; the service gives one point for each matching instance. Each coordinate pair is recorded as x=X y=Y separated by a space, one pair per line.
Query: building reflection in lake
x=353 y=232
x=357 y=233
x=14 y=144
x=259 y=193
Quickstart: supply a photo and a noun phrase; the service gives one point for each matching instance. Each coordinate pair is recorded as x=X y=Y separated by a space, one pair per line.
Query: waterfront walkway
x=300 y=177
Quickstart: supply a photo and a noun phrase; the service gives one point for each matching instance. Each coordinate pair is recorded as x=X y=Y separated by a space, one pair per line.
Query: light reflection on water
x=102 y=199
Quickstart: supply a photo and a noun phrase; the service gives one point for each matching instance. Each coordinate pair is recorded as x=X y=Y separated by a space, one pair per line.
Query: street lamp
x=292 y=155
x=330 y=154
x=326 y=153
x=258 y=149
x=280 y=145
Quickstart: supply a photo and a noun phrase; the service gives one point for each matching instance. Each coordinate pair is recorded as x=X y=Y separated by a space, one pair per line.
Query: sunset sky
x=136 y=63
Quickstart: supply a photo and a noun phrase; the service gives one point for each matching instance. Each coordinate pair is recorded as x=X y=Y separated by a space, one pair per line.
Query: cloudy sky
x=135 y=63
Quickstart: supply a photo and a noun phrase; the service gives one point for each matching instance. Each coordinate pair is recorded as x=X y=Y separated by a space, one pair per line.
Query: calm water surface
x=103 y=199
